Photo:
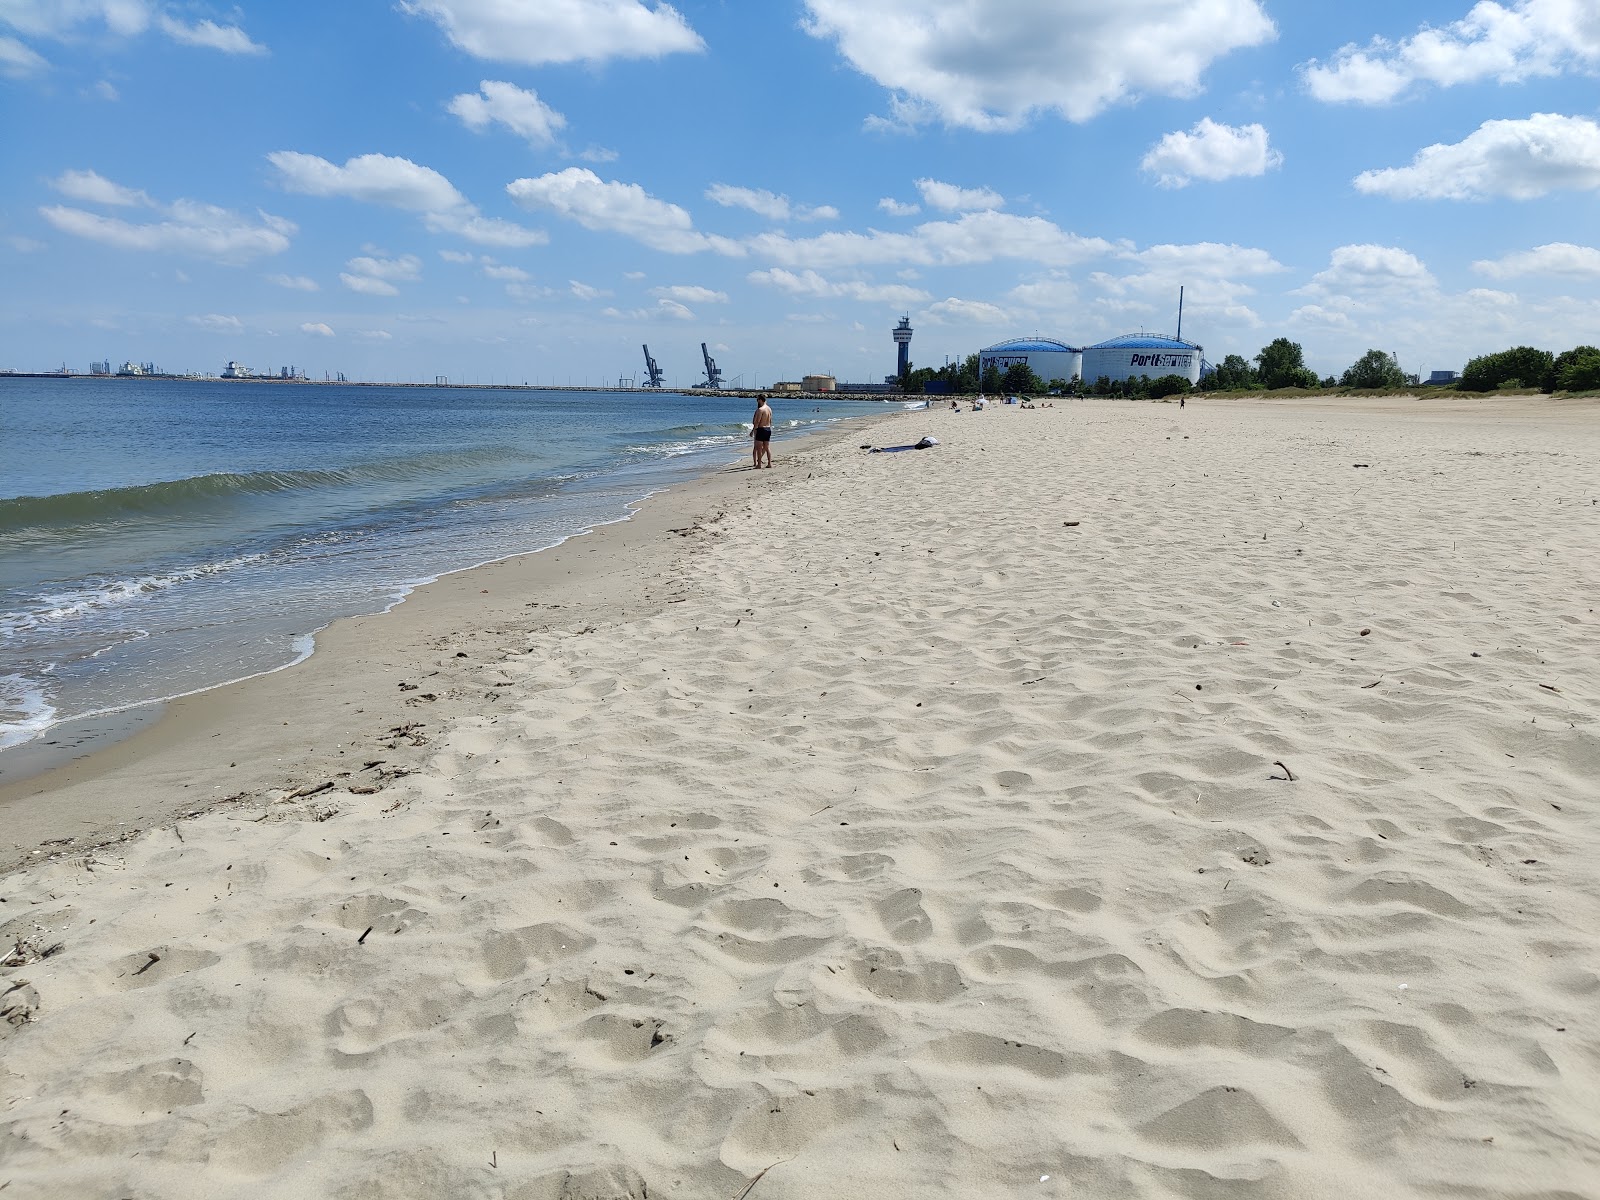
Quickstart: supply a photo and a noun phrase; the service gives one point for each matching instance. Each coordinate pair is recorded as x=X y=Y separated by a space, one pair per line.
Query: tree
x=1020 y=377
x=1169 y=385
x=1282 y=364
x=1374 y=369
x=1521 y=366
x=1577 y=370
x=1235 y=374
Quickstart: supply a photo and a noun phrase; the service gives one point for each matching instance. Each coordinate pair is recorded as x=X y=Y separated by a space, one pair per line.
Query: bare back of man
x=761 y=432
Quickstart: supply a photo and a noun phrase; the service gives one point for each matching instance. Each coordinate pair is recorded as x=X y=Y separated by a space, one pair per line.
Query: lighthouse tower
x=902 y=339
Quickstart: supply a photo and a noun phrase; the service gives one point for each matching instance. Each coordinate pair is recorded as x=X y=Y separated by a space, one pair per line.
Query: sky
x=528 y=190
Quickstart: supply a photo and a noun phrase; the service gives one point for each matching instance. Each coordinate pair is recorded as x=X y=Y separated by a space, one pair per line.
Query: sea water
x=158 y=538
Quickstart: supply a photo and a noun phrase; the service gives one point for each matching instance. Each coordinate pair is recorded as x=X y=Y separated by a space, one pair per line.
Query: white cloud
x=458 y=256
x=691 y=294
x=107 y=90
x=1506 y=43
x=991 y=64
x=400 y=183
x=1554 y=258
x=406 y=268
x=972 y=238
x=598 y=154
x=190 y=228
x=1211 y=151
x=372 y=178
x=1365 y=269
x=584 y=291
x=24 y=245
x=217 y=323
x=375 y=335
x=229 y=39
x=505 y=273
x=1317 y=317
x=950 y=198
x=368 y=285
x=60 y=18
x=317 y=329
x=295 y=283
x=18 y=60
x=896 y=209
x=520 y=111
x=90 y=187
x=665 y=309
x=568 y=31
x=954 y=311
x=768 y=204
x=1522 y=159
x=809 y=283
x=608 y=206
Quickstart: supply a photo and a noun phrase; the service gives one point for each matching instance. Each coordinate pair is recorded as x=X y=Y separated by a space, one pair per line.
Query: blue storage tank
x=1135 y=354
x=1049 y=358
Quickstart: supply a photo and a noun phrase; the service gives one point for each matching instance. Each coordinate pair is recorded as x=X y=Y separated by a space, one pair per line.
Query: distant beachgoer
x=761 y=431
x=1181 y=401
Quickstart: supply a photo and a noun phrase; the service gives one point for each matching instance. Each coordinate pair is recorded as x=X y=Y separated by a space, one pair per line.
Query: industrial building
x=1136 y=354
x=1049 y=358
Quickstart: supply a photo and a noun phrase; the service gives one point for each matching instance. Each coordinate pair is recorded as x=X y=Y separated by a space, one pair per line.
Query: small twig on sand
x=1373 y=684
x=1288 y=775
x=751 y=1185
x=823 y=809
x=309 y=790
x=1550 y=687
x=154 y=959
x=362 y=940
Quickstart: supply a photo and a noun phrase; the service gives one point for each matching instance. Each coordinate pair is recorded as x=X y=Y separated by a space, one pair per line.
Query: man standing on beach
x=761 y=431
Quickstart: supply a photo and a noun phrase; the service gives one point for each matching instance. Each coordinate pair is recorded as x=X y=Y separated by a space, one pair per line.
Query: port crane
x=713 y=379
x=652 y=369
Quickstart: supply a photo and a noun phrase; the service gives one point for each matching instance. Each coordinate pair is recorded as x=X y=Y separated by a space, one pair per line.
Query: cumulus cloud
x=570 y=31
x=458 y=256
x=406 y=267
x=295 y=283
x=229 y=39
x=317 y=329
x=1217 y=277
x=188 y=227
x=519 y=110
x=217 y=323
x=691 y=294
x=665 y=309
x=609 y=206
x=400 y=183
x=991 y=64
x=18 y=60
x=1554 y=258
x=950 y=198
x=60 y=18
x=768 y=204
x=896 y=208
x=1505 y=43
x=584 y=291
x=90 y=187
x=1211 y=151
x=1367 y=269
x=976 y=237
x=809 y=283
x=954 y=311
x=1521 y=159
x=368 y=285
x=372 y=178
x=505 y=273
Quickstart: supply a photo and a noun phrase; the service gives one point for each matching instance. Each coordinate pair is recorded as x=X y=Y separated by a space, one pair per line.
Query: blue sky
x=519 y=190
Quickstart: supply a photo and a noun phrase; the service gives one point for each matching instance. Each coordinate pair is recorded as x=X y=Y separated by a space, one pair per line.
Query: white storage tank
x=1136 y=354
x=1049 y=358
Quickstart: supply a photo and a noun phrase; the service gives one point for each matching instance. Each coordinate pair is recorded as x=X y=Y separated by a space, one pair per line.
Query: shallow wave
x=177 y=497
x=57 y=608
x=24 y=711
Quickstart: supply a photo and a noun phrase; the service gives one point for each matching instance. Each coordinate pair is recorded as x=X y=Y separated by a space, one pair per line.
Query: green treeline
x=1280 y=364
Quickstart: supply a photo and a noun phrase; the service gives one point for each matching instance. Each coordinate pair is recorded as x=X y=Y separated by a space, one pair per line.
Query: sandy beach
x=1112 y=801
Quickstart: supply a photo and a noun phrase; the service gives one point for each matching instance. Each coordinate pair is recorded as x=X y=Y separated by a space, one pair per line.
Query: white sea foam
x=25 y=712
x=57 y=608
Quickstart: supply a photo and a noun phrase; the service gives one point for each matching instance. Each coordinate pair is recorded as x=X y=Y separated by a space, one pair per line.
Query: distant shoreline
x=501 y=387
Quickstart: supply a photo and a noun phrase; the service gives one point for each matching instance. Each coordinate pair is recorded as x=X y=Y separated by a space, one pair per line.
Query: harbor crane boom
x=713 y=379
x=652 y=369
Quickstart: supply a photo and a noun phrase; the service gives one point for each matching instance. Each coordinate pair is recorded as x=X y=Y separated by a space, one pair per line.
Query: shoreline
x=165 y=738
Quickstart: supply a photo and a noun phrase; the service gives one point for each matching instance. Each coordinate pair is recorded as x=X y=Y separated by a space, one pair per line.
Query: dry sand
x=912 y=825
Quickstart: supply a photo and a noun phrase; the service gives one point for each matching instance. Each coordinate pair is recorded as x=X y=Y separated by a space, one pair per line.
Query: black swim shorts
x=763 y=433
